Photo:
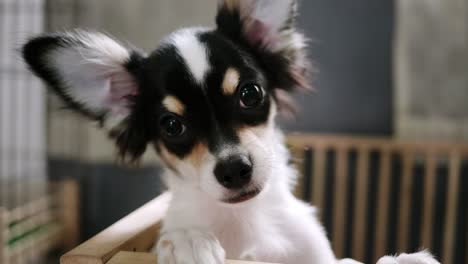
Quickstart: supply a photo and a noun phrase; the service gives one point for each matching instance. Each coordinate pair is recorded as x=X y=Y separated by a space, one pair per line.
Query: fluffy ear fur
x=267 y=29
x=94 y=75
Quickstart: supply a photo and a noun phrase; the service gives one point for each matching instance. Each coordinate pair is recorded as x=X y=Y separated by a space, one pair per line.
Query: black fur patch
x=210 y=116
x=279 y=66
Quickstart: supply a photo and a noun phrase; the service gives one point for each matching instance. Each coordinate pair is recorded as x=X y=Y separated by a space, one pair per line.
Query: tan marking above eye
x=174 y=105
x=231 y=81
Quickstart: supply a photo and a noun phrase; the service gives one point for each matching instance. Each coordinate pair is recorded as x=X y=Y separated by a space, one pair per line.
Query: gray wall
x=431 y=57
x=351 y=48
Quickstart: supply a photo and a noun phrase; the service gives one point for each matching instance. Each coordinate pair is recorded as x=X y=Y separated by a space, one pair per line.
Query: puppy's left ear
x=267 y=29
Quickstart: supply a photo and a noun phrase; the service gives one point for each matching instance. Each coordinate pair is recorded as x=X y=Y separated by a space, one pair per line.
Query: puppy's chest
x=250 y=238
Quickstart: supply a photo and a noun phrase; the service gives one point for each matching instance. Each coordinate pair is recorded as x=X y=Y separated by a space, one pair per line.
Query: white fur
x=422 y=257
x=274 y=13
x=92 y=70
x=193 y=246
x=272 y=227
x=273 y=35
x=192 y=51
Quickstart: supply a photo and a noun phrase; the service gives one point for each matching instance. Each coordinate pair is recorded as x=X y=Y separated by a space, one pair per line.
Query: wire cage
x=28 y=219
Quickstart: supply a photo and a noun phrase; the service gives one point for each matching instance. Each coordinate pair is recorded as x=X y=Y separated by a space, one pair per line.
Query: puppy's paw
x=189 y=246
x=387 y=260
x=348 y=261
x=422 y=257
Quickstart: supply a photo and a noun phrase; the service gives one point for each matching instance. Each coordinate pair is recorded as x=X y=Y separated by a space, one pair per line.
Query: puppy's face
x=213 y=113
x=205 y=98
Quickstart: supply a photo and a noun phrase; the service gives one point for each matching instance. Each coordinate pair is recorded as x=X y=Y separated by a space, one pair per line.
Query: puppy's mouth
x=243 y=196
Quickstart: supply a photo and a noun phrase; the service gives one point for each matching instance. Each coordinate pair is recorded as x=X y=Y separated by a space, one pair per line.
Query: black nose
x=234 y=172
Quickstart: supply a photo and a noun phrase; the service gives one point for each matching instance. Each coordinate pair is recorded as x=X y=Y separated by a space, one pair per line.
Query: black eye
x=172 y=126
x=250 y=95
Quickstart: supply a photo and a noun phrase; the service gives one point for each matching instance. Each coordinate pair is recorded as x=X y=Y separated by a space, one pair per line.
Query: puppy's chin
x=242 y=196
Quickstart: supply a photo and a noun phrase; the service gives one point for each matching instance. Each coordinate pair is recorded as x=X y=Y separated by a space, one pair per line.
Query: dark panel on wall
x=108 y=191
x=351 y=43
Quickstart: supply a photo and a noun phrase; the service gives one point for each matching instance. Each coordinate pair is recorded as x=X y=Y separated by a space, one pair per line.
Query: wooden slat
x=372 y=142
x=383 y=203
x=466 y=237
x=340 y=204
x=307 y=178
x=31 y=222
x=318 y=180
x=451 y=207
x=35 y=246
x=30 y=208
x=406 y=188
x=297 y=154
x=360 y=205
x=69 y=196
x=2 y=233
x=126 y=257
x=135 y=232
x=428 y=202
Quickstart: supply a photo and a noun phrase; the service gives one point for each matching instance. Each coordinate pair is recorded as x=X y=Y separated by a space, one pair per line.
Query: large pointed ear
x=95 y=76
x=267 y=27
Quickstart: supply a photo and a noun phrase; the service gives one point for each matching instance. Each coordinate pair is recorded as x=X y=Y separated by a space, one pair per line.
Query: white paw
x=422 y=257
x=348 y=261
x=387 y=260
x=189 y=247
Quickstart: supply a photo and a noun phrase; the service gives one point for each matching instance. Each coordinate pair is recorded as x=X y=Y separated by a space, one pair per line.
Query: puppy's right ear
x=95 y=76
x=90 y=71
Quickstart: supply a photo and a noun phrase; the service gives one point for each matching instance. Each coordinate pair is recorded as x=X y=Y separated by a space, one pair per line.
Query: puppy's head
x=205 y=98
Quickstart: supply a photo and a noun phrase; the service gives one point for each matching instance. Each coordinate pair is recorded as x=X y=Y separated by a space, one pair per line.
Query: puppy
x=206 y=100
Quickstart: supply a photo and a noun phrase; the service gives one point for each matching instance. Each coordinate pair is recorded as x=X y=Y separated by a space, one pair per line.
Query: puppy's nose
x=234 y=172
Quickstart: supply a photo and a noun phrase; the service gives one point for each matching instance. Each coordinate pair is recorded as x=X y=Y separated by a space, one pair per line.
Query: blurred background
x=392 y=69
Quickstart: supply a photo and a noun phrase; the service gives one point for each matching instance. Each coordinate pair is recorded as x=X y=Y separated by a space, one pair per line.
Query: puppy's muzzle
x=234 y=172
